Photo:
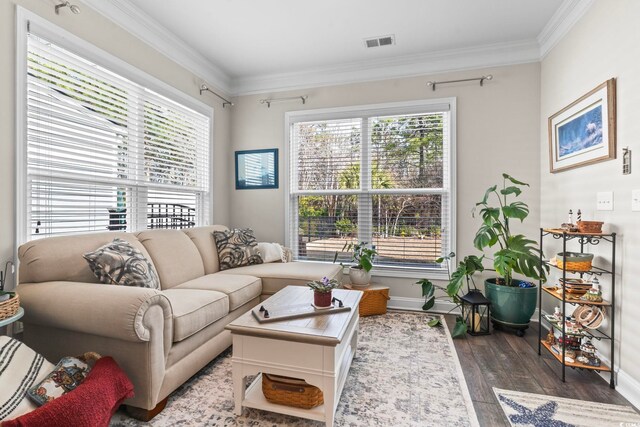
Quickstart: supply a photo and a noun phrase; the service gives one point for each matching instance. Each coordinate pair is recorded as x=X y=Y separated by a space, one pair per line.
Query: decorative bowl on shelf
x=575 y=286
x=574 y=261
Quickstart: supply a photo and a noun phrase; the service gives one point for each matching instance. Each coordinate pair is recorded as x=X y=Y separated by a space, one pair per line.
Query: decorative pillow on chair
x=66 y=376
x=236 y=248
x=120 y=263
x=271 y=252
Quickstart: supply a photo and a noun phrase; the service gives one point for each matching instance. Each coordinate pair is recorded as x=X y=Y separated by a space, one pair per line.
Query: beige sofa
x=159 y=337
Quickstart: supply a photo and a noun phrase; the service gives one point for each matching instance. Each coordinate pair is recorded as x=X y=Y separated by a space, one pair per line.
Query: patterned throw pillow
x=120 y=263
x=66 y=376
x=236 y=248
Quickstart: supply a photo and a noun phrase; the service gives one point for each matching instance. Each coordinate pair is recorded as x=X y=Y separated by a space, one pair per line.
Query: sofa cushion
x=276 y=276
x=60 y=258
x=238 y=287
x=195 y=309
x=176 y=258
x=202 y=237
x=119 y=263
x=236 y=248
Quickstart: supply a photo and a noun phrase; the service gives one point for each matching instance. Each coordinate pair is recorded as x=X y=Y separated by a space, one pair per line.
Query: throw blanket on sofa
x=91 y=404
x=20 y=369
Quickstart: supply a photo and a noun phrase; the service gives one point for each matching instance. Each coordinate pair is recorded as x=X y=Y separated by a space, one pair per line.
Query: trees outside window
x=383 y=179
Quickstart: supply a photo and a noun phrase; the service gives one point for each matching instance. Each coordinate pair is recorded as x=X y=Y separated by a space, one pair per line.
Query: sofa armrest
x=104 y=310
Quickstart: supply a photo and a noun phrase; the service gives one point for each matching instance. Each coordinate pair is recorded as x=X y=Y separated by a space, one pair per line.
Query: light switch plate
x=605 y=201
x=635 y=200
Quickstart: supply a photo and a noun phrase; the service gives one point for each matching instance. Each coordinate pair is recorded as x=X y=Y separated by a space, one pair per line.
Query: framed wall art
x=584 y=132
x=256 y=169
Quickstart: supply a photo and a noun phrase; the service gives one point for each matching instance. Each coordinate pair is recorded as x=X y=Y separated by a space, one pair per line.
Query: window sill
x=399 y=272
x=406 y=273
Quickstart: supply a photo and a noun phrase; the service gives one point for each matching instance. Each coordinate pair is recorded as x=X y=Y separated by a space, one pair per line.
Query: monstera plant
x=513 y=301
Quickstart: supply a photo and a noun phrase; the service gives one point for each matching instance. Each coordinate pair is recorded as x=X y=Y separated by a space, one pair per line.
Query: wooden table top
x=325 y=329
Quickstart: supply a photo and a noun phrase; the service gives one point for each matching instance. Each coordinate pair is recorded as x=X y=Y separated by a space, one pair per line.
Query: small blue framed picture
x=257 y=169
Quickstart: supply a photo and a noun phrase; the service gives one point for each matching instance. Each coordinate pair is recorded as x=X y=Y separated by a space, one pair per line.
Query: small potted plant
x=463 y=275
x=362 y=258
x=322 y=291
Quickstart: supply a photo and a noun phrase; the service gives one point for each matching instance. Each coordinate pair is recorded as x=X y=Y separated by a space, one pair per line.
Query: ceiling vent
x=380 y=41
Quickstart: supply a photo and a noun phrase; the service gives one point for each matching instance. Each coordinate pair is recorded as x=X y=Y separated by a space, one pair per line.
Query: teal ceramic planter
x=511 y=305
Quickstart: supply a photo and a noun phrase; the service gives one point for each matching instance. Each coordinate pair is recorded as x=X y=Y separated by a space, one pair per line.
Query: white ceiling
x=254 y=45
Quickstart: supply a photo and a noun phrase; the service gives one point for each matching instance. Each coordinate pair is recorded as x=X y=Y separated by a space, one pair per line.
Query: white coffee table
x=318 y=349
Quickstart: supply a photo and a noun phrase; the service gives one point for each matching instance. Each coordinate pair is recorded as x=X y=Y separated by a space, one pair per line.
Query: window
x=382 y=175
x=103 y=152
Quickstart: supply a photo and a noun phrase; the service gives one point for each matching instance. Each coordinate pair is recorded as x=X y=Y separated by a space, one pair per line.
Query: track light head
x=74 y=9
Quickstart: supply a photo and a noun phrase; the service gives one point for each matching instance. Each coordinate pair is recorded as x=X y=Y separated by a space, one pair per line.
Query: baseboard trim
x=415 y=304
x=628 y=387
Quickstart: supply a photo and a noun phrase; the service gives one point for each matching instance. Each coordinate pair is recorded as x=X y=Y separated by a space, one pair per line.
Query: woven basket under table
x=291 y=392
x=9 y=307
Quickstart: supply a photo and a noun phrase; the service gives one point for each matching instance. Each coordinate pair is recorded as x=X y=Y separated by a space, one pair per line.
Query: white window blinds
x=380 y=178
x=105 y=153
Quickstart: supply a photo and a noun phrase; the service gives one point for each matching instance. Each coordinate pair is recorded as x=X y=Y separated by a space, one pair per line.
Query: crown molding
x=485 y=56
x=567 y=15
x=131 y=18
x=125 y=14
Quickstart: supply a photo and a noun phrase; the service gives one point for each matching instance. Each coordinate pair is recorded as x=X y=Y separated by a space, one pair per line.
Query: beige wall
x=104 y=34
x=496 y=126
x=604 y=44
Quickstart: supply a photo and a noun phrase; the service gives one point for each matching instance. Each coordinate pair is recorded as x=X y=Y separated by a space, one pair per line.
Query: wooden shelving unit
x=567 y=298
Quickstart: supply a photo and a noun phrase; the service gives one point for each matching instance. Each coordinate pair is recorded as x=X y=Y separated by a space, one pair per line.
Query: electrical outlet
x=635 y=200
x=605 y=201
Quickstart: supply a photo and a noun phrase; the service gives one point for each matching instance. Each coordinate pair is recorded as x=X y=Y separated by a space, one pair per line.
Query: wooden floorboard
x=504 y=360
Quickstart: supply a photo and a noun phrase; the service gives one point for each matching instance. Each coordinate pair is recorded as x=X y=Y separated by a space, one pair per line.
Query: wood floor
x=506 y=361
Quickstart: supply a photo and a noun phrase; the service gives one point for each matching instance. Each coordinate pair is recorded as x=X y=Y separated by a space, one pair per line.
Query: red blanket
x=91 y=404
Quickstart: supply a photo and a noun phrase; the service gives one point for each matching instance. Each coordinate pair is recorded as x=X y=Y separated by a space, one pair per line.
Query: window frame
x=367 y=111
x=28 y=22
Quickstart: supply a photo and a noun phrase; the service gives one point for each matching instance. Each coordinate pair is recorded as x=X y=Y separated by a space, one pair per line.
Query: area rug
x=404 y=374
x=528 y=409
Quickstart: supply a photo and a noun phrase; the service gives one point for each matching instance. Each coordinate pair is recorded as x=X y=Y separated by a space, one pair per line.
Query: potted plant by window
x=513 y=301
x=322 y=291
x=462 y=275
x=362 y=258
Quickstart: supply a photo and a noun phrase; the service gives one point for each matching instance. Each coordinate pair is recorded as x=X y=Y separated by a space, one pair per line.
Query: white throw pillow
x=271 y=252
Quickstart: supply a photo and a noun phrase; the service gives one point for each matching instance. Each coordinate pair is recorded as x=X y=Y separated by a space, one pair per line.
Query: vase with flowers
x=322 y=291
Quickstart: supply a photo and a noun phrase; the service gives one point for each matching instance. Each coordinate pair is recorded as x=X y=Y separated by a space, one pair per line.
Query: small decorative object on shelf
x=589 y=353
x=570 y=226
x=551 y=337
x=322 y=291
x=594 y=294
x=476 y=312
x=574 y=347
x=557 y=315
